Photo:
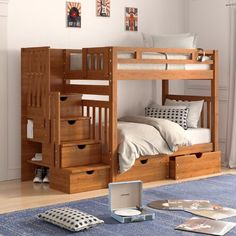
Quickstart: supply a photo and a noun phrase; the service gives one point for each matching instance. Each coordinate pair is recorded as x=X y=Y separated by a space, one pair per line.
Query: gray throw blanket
x=140 y=136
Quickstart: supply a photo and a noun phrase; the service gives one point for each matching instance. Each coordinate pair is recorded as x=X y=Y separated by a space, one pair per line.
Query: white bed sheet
x=199 y=135
x=151 y=55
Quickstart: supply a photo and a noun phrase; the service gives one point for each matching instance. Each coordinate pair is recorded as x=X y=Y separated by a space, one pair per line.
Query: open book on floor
x=181 y=205
x=217 y=213
x=206 y=226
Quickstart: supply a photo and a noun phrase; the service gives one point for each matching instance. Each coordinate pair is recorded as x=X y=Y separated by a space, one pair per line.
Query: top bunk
x=131 y=63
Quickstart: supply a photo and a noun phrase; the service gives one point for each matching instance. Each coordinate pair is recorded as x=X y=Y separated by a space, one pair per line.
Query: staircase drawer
x=78 y=155
x=89 y=180
x=71 y=105
x=194 y=165
x=78 y=129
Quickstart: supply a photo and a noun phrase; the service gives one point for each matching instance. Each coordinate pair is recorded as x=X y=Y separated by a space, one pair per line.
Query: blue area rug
x=220 y=189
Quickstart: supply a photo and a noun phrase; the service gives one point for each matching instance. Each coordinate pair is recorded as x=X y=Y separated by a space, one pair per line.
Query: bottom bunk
x=153 y=149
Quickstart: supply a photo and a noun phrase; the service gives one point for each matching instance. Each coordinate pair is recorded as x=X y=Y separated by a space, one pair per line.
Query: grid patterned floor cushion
x=177 y=115
x=70 y=219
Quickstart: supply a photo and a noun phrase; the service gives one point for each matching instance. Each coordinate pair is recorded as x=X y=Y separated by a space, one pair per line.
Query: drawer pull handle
x=89 y=172
x=63 y=99
x=82 y=146
x=71 y=122
x=144 y=161
x=198 y=155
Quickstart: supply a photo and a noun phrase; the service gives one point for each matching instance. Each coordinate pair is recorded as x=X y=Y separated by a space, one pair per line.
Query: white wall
x=3 y=88
x=209 y=19
x=40 y=23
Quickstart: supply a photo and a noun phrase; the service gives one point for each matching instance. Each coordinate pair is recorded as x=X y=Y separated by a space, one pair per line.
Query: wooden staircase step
x=87 y=168
x=70 y=95
x=79 y=142
x=65 y=118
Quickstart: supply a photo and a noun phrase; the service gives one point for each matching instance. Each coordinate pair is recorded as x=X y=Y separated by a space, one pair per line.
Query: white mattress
x=196 y=135
x=199 y=135
x=152 y=55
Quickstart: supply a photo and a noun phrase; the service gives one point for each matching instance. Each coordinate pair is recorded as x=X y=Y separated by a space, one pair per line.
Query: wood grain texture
x=34 y=104
x=71 y=105
x=81 y=154
x=195 y=165
x=75 y=128
x=147 y=169
x=80 y=179
x=60 y=122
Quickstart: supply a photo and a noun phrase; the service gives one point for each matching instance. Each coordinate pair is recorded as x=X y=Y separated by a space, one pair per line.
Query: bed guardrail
x=205 y=119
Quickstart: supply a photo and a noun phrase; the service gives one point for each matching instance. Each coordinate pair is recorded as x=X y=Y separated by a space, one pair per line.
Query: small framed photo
x=103 y=8
x=73 y=11
x=131 y=19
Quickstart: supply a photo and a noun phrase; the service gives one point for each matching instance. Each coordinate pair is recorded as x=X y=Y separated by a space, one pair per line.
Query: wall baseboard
x=14 y=174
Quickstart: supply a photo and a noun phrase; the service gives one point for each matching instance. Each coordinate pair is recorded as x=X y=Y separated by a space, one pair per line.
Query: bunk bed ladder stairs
x=78 y=158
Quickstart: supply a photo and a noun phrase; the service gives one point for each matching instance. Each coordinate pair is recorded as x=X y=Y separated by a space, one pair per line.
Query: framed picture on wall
x=131 y=19
x=73 y=14
x=103 y=8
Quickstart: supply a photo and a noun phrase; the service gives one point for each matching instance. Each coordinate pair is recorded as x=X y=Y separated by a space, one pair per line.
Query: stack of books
x=212 y=213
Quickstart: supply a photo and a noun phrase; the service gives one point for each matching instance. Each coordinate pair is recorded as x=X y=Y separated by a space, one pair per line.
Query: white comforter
x=139 y=136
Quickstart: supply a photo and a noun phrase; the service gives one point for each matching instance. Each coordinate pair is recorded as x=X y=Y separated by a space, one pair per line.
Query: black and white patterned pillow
x=175 y=114
x=70 y=219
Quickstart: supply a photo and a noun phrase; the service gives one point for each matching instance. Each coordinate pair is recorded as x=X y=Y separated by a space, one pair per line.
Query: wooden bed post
x=165 y=90
x=214 y=104
x=113 y=114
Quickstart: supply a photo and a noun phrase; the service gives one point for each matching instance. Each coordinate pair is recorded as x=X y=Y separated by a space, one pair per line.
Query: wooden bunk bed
x=78 y=137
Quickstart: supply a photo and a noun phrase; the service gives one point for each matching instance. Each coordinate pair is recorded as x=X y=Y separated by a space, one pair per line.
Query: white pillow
x=195 y=108
x=70 y=219
x=185 y=40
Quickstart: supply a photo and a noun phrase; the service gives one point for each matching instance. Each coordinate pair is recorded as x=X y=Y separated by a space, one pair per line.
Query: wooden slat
x=208 y=114
x=92 y=62
x=165 y=90
x=159 y=50
x=189 y=97
x=205 y=147
x=113 y=143
x=215 y=105
x=95 y=103
x=202 y=116
x=164 y=75
x=88 y=89
x=99 y=62
x=94 y=122
x=88 y=112
x=99 y=123
x=55 y=126
x=74 y=75
x=106 y=128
